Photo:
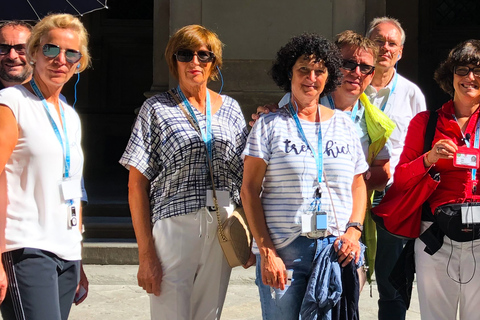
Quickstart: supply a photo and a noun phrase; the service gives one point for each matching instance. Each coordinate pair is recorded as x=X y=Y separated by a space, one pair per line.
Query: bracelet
x=427 y=163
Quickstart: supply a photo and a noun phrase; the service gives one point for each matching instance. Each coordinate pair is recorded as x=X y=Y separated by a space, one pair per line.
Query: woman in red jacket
x=449 y=279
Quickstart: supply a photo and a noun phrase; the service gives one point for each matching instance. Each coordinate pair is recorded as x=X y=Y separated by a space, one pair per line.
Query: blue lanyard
x=354 y=110
x=317 y=155
x=66 y=146
x=207 y=133
x=395 y=78
x=475 y=143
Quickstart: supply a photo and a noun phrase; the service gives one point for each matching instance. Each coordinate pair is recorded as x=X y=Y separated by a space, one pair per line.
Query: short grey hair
x=376 y=21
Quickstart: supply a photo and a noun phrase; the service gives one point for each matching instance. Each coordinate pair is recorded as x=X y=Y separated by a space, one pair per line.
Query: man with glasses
x=14 y=68
x=359 y=56
x=401 y=100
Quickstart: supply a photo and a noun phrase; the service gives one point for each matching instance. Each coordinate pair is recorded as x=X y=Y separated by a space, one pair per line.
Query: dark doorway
x=442 y=25
x=121 y=44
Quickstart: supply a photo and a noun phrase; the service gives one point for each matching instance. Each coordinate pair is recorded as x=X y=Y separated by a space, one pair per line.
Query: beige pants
x=440 y=296
x=195 y=271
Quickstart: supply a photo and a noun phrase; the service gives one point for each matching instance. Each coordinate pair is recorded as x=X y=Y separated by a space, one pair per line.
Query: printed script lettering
x=332 y=149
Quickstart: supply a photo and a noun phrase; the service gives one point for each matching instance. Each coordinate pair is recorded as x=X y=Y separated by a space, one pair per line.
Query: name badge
x=314 y=222
x=71 y=189
x=223 y=198
x=72 y=218
x=466 y=158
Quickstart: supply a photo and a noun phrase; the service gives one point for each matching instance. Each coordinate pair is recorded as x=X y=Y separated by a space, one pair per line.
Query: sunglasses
x=352 y=65
x=19 y=48
x=52 y=51
x=187 y=55
x=464 y=70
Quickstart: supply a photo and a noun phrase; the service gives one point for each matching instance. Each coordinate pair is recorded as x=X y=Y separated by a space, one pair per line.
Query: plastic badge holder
x=467 y=158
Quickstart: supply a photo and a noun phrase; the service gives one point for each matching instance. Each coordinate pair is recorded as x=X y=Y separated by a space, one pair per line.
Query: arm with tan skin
x=272 y=266
x=265 y=109
x=443 y=149
x=350 y=239
x=8 y=140
x=379 y=175
x=150 y=273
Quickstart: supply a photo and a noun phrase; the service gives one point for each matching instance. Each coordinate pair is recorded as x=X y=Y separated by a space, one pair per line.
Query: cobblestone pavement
x=114 y=295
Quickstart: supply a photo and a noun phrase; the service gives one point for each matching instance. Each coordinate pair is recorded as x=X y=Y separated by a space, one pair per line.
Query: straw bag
x=233 y=234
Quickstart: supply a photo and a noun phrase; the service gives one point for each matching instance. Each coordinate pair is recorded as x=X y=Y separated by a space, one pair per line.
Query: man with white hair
x=400 y=99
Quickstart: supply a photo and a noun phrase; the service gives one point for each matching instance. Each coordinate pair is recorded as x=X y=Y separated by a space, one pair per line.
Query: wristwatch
x=356 y=225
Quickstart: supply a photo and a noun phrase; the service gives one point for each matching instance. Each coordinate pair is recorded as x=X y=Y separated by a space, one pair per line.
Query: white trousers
x=439 y=292
x=195 y=271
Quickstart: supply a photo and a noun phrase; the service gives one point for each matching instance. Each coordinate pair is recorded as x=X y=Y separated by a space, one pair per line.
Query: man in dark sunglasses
x=14 y=68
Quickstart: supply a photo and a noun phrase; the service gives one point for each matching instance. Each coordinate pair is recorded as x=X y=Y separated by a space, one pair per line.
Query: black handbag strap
x=430 y=131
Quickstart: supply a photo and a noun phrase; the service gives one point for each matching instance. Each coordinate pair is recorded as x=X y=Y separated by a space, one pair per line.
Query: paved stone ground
x=114 y=295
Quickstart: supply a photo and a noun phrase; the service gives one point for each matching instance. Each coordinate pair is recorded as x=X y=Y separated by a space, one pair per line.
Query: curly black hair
x=464 y=53
x=307 y=44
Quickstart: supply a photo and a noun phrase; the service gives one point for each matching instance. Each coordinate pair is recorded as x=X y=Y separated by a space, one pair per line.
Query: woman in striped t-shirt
x=303 y=161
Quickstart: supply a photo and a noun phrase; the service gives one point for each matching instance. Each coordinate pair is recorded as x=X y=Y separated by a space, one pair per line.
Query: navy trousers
x=40 y=285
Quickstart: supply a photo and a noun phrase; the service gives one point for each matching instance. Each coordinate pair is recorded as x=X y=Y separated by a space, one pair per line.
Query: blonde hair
x=191 y=37
x=59 y=21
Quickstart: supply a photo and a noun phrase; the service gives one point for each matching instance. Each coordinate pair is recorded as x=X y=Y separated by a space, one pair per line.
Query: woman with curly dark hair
x=448 y=277
x=302 y=184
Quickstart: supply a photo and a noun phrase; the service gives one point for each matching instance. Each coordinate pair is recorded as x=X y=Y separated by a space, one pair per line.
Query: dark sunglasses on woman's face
x=187 y=55
x=19 y=49
x=464 y=70
x=352 y=65
x=52 y=51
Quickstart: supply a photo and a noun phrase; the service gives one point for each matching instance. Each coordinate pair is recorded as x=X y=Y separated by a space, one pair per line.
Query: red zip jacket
x=455 y=183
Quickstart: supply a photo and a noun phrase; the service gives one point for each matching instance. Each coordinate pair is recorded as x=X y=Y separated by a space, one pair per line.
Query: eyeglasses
x=187 y=55
x=352 y=65
x=19 y=48
x=381 y=42
x=52 y=51
x=464 y=70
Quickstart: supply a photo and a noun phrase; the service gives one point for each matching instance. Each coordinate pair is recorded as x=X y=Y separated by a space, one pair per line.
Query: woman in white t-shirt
x=41 y=163
x=298 y=200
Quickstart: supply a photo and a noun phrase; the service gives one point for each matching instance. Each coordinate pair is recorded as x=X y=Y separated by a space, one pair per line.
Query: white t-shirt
x=30 y=196
x=291 y=178
x=401 y=106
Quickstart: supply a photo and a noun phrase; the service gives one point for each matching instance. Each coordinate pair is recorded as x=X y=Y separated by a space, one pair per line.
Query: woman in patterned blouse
x=181 y=263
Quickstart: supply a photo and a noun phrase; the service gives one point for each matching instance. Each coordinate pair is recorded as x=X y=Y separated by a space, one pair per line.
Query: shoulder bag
x=400 y=211
x=233 y=234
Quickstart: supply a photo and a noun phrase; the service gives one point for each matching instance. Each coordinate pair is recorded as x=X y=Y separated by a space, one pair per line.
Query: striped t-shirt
x=291 y=177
